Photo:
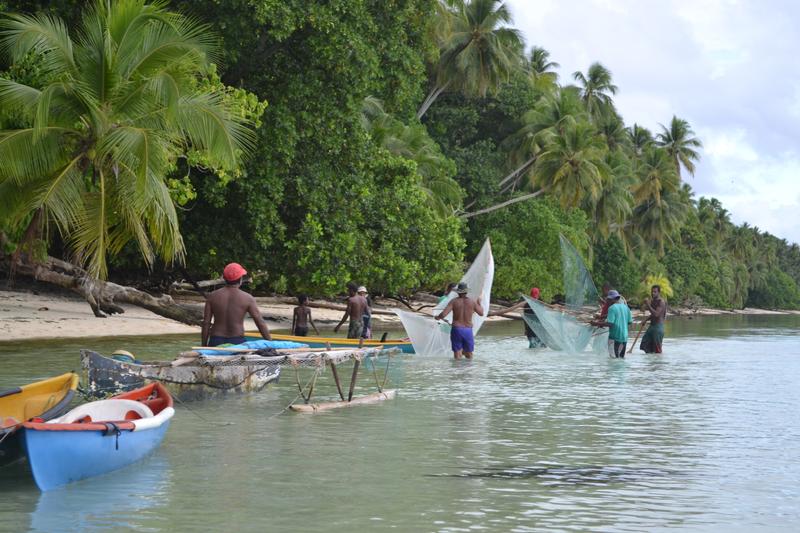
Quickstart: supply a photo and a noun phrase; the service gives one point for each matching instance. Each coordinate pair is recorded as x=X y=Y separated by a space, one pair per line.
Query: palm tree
x=640 y=138
x=681 y=144
x=596 y=89
x=551 y=115
x=542 y=71
x=121 y=104
x=413 y=143
x=614 y=203
x=660 y=222
x=478 y=53
x=656 y=176
x=568 y=163
x=571 y=167
x=540 y=64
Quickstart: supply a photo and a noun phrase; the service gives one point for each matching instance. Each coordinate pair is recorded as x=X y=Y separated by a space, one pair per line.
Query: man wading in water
x=227 y=307
x=461 y=339
x=356 y=307
x=654 y=336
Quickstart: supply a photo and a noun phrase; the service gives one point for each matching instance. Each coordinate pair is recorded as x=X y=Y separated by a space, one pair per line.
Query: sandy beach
x=28 y=314
x=44 y=315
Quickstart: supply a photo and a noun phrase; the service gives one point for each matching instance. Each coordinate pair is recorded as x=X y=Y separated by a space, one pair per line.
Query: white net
x=430 y=337
x=566 y=328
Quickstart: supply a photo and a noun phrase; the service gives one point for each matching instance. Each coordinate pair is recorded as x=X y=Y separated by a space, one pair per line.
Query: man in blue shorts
x=619 y=316
x=461 y=339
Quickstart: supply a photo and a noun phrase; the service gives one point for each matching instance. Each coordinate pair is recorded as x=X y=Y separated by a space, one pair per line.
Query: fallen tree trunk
x=104 y=297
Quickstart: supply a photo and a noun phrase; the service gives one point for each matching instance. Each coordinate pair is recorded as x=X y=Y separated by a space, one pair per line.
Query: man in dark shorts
x=463 y=307
x=654 y=336
x=617 y=321
x=301 y=318
x=533 y=340
x=227 y=307
x=356 y=306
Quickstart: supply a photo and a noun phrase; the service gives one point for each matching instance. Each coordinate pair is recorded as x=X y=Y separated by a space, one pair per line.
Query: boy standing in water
x=302 y=318
x=461 y=338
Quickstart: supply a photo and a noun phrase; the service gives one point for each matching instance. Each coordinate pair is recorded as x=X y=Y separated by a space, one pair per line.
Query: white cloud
x=729 y=67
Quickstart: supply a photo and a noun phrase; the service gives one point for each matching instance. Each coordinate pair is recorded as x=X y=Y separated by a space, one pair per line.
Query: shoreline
x=40 y=314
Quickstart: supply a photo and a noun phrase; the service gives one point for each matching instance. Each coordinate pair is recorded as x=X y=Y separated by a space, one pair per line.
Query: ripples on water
x=704 y=437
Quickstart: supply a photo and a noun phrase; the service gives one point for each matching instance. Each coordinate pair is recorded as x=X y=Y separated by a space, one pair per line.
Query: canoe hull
x=186 y=383
x=46 y=399
x=338 y=342
x=60 y=457
x=97 y=437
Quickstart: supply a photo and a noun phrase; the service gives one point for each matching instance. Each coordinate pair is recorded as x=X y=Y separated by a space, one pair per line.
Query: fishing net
x=430 y=337
x=558 y=329
x=579 y=289
x=566 y=328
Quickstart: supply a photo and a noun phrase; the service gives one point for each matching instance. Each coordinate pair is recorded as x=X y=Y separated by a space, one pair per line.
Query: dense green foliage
x=393 y=137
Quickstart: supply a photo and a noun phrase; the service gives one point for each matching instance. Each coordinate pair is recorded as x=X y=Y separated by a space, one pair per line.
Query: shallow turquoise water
x=703 y=437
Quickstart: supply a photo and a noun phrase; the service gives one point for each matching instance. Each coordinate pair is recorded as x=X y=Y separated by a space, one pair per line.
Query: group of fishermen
x=616 y=316
x=225 y=309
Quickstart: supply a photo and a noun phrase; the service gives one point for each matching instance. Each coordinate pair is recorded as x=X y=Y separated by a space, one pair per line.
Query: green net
x=565 y=328
x=579 y=289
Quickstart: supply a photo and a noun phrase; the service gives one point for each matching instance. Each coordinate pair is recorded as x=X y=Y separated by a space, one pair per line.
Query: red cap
x=233 y=271
x=535 y=292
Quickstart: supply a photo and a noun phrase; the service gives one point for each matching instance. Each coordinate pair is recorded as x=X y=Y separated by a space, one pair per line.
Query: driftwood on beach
x=104 y=297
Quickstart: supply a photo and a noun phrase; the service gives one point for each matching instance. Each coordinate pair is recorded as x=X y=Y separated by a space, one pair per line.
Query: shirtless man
x=461 y=338
x=654 y=336
x=356 y=307
x=227 y=307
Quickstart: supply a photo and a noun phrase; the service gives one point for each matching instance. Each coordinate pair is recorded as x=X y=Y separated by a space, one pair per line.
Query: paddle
x=637 y=335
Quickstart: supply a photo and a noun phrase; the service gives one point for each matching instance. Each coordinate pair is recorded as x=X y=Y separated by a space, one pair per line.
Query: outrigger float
x=196 y=375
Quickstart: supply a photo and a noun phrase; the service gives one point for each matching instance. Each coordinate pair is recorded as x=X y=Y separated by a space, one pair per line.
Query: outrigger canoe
x=339 y=342
x=97 y=437
x=43 y=400
x=187 y=378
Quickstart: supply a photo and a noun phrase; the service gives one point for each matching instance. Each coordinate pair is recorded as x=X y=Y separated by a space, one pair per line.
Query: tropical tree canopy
x=478 y=52
x=104 y=128
x=121 y=100
x=681 y=144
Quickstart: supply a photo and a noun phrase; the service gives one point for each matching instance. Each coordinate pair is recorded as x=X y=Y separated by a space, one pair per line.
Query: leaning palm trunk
x=431 y=98
x=503 y=204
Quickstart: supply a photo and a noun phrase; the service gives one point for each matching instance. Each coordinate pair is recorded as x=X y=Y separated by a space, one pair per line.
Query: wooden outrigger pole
x=331 y=358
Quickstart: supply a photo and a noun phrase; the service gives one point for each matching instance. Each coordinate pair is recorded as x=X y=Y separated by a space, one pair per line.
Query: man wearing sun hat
x=462 y=340
x=227 y=307
x=617 y=321
x=367 y=316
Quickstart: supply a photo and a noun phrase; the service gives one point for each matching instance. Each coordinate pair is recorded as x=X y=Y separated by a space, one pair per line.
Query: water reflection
x=574 y=475
x=119 y=500
x=699 y=438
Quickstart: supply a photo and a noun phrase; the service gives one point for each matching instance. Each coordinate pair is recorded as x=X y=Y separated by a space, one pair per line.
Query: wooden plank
x=375 y=397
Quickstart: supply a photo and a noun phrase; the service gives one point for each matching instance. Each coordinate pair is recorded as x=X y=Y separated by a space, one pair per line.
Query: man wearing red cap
x=227 y=307
x=533 y=339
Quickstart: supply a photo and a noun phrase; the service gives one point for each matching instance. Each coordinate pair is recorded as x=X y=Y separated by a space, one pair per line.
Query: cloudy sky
x=729 y=67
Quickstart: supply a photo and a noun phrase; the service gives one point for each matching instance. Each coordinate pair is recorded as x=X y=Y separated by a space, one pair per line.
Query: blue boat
x=97 y=437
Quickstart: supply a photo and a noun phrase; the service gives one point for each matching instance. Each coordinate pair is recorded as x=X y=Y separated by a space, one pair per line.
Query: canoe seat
x=105 y=410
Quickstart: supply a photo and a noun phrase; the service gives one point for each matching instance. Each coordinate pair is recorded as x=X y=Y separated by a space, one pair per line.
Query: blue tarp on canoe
x=255 y=345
